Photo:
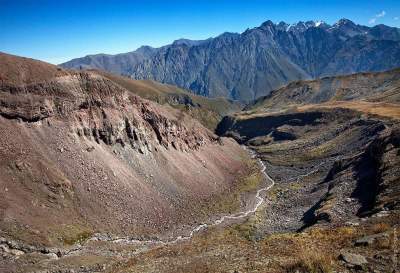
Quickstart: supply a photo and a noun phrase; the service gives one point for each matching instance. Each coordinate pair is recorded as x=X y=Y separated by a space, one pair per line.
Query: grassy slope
x=371 y=87
x=389 y=110
x=230 y=250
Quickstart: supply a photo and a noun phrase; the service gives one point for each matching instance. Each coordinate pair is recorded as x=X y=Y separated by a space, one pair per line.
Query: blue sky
x=57 y=31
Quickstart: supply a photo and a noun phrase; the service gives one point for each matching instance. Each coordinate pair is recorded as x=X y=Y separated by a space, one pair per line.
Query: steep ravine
x=298 y=174
x=79 y=154
x=142 y=244
x=97 y=179
x=253 y=204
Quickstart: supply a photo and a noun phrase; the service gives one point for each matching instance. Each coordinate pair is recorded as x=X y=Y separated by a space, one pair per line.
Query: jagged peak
x=188 y=42
x=299 y=26
x=267 y=23
x=302 y=26
x=183 y=41
x=145 y=47
x=228 y=35
x=344 y=22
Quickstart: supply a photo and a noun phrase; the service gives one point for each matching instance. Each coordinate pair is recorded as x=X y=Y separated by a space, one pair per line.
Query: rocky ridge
x=381 y=87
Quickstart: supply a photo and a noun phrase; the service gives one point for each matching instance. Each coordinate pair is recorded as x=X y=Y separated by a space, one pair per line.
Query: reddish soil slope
x=80 y=154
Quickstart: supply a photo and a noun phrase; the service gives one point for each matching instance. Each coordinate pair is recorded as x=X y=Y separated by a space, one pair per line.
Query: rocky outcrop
x=370 y=179
x=209 y=111
x=354 y=260
x=245 y=128
x=102 y=111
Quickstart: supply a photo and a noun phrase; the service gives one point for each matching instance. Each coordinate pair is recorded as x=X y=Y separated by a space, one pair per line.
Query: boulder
x=372 y=239
x=354 y=260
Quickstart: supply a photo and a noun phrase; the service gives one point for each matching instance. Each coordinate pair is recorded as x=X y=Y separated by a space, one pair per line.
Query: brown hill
x=19 y=70
x=81 y=154
x=370 y=87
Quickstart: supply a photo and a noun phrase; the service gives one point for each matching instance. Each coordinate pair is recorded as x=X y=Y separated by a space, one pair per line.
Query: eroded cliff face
x=366 y=182
x=100 y=110
x=80 y=154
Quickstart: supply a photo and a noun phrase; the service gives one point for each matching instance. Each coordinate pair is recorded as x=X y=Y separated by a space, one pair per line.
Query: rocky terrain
x=251 y=64
x=333 y=207
x=336 y=165
x=81 y=155
x=209 y=111
x=329 y=160
x=98 y=179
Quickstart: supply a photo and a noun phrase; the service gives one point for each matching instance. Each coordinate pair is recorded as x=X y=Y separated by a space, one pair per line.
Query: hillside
x=118 y=63
x=249 y=65
x=334 y=206
x=209 y=111
x=382 y=87
x=332 y=147
x=99 y=179
x=80 y=154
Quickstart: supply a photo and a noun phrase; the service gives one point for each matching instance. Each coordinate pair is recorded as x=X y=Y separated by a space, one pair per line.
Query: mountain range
x=249 y=65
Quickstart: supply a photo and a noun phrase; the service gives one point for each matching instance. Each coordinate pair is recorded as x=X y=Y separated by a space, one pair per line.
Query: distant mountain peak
x=267 y=23
x=188 y=42
x=228 y=35
x=344 y=21
x=145 y=47
x=348 y=28
x=303 y=26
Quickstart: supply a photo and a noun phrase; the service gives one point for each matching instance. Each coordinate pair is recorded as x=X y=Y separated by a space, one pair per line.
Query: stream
x=258 y=201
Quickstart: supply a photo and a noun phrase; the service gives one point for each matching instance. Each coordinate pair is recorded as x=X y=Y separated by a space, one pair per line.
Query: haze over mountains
x=249 y=65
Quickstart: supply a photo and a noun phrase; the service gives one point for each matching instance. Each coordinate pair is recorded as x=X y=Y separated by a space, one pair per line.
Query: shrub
x=311 y=261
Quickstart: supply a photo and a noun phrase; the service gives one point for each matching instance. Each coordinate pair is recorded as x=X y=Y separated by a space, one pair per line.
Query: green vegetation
x=71 y=234
x=249 y=181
